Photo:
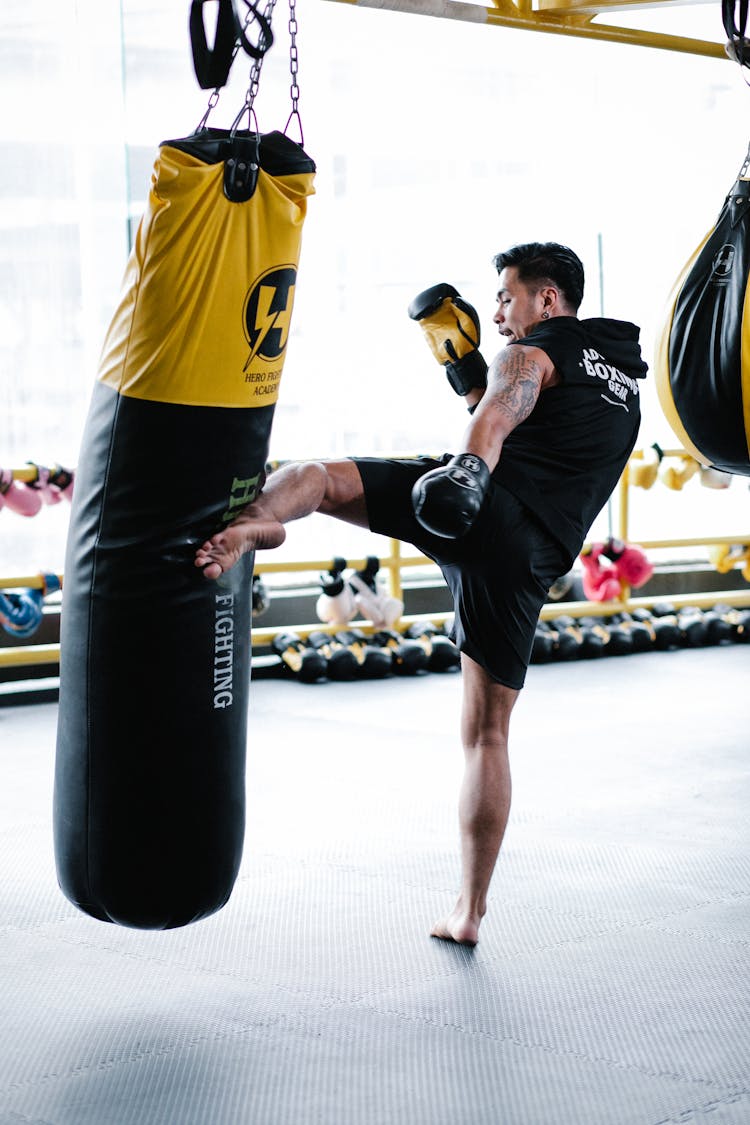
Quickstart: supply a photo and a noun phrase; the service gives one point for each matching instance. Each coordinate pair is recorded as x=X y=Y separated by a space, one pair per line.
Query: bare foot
x=246 y=533
x=460 y=926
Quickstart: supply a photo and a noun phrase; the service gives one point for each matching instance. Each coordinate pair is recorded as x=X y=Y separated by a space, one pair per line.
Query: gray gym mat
x=610 y=985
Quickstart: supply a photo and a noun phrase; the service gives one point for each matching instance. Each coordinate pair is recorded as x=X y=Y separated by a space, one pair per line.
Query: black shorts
x=499 y=573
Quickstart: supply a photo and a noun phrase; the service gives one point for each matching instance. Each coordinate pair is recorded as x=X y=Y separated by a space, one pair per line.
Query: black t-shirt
x=565 y=459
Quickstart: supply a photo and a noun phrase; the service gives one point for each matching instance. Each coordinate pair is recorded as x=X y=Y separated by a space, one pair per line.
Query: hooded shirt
x=564 y=461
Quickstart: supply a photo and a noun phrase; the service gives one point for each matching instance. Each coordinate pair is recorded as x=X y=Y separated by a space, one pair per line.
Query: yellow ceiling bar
x=595 y=7
x=572 y=18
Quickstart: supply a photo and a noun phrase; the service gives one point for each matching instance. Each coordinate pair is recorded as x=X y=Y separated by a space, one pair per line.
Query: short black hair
x=546 y=262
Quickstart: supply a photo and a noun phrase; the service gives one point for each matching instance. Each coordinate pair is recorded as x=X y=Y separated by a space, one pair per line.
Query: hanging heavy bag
x=149 y=793
x=702 y=363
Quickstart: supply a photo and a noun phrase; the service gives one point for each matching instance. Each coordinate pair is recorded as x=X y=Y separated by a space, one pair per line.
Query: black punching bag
x=149 y=795
x=702 y=363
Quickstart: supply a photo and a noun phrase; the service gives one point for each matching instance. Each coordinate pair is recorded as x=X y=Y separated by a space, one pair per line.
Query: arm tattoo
x=515 y=389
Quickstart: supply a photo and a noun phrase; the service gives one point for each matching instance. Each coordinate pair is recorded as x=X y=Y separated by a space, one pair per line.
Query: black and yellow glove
x=451 y=326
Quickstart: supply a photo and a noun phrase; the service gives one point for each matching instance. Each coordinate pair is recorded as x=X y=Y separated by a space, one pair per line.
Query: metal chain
x=746 y=165
x=252 y=89
x=294 y=68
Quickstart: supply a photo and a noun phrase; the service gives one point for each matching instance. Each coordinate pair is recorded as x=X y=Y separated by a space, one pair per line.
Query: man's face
x=518 y=308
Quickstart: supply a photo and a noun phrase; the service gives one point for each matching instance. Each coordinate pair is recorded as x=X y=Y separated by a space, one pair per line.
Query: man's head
x=538 y=280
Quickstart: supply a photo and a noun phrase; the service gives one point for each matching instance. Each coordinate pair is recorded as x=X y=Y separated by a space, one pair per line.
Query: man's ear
x=550 y=297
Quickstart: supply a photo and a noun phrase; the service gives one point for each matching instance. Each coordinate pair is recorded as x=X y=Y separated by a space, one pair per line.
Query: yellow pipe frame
x=27 y=474
x=29 y=654
x=22 y=656
x=556 y=18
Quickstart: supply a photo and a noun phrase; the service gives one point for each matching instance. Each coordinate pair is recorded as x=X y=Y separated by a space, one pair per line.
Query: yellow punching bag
x=209 y=288
x=149 y=795
x=702 y=363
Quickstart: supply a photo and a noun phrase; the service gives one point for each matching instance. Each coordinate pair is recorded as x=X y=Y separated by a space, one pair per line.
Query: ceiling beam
x=574 y=18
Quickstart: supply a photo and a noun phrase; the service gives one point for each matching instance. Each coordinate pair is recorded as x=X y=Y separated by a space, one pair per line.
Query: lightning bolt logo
x=722 y=263
x=268 y=312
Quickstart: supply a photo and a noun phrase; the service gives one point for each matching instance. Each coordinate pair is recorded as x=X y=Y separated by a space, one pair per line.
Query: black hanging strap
x=734 y=15
x=212 y=65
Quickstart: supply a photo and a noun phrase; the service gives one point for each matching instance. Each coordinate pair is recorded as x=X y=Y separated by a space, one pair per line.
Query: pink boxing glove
x=22 y=500
x=600 y=583
x=630 y=562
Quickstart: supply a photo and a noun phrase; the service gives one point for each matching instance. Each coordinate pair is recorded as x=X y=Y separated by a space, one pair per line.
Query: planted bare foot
x=247 y=533
x=461 y=926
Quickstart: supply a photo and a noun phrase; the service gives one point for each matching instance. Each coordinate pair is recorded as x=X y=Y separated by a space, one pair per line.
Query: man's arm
x=448 y=500
x=516 y=378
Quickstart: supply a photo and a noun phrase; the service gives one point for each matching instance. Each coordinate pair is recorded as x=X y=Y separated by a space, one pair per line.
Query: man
x=554 y=421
